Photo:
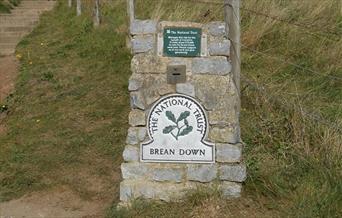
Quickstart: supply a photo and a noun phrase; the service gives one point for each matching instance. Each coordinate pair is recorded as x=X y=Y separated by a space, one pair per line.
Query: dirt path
x=65 y=202
x=8 y=72
x=55 y=203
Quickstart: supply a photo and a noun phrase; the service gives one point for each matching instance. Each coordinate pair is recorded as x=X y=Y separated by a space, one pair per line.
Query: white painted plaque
x=177 y=127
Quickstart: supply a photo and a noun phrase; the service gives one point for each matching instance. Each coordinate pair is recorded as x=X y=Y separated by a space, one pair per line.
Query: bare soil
x=8 y=73
x=61 y=202
x=90 y=197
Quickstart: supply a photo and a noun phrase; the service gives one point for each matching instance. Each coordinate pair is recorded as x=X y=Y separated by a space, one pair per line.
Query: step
x=8 y=39
x=18 y=22
x=48 y=3
x=44 y=3
x=15 y=29
x=36 y=2
x=18 y=34
x=17 y=16
x=28 y=11
x=5 y=52
x=45 y=8
x=20 y=18
x=30 y=7
x=4 y=46
x=9 y=16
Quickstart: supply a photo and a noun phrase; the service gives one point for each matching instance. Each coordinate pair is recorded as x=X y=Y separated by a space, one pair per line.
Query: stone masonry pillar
x=184 y=121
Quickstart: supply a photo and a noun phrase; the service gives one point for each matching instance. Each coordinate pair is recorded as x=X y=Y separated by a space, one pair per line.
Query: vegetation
x=71 y=103
x=67 y=119
x=6 y=6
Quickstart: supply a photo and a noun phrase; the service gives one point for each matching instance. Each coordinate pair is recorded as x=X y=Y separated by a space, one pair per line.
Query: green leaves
x=182 y=130
x=183 y=115
x=186 y=131
x=171 y=116
x=169 y=129
x=186 y=122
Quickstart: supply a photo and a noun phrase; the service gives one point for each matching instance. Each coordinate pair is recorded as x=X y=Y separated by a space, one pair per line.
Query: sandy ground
x=8 y=72
x=55 y=203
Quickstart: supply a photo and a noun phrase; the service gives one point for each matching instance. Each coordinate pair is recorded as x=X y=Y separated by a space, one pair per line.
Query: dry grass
x=66 y=120
x=292 y=103
x=294 y=161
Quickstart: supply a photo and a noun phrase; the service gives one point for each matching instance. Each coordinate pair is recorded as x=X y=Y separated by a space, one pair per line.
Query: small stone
x=137 y=100
x=137 y=118
x=134 y=83
x=141 y=133
x=217 y=29
x=228 y=153
x=233 y=173
x=149 y=63
x=126 y=192
x=141 y=44
x=229 y=134
x=165 y=191
x=134 y=170
x=154 y=86
x=131 y=154
x=230 y=189
x=156 y=190
x=143 y=27
x=217 y=93
x=148 y=192
x=219 y=48
x=135 y=135
x=167 y=174
x=151 y=94
x=212 y=65
x=186 y=89
x=166 y=89
x=202 y=173
x=227 y=115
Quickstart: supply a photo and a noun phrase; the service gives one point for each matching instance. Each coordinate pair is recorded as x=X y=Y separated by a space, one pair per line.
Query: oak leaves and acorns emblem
x=180 y=126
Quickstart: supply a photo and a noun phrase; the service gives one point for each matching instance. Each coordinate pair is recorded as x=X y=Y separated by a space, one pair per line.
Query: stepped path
x=20 y=22
x=13 y=27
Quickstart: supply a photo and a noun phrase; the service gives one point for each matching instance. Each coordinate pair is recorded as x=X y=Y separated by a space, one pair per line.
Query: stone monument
x=184 y=120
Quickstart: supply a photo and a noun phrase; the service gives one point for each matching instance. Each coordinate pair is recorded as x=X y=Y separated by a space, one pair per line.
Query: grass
x=69 y=111
x=6 y=6
x=67 y=119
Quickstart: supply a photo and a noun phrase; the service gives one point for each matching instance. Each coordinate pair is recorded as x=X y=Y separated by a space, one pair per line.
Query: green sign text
x=182 y=42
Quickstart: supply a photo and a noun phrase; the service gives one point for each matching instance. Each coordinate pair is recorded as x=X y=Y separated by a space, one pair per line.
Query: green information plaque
x=182 y=42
